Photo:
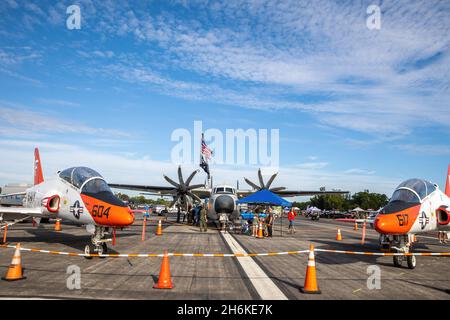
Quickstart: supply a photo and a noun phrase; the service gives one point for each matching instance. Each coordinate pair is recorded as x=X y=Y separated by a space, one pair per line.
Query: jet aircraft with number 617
x=417 y=206
x=79 y=195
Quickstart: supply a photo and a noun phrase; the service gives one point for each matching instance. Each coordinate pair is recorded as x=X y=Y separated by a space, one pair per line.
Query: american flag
x=207 y=152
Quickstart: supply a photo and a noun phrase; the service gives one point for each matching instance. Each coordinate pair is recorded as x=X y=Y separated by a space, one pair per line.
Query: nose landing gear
x=402 y=244
x=99 y=244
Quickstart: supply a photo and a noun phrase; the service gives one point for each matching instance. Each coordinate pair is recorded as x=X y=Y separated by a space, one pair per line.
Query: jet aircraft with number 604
x=79 y=195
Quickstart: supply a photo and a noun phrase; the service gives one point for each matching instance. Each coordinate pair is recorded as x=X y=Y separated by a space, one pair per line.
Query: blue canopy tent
x=265 y=197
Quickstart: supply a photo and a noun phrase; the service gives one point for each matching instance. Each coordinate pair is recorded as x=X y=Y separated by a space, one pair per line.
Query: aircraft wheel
x=89 y=249
x=412 y=262
x=102 y=249
x=398 y=260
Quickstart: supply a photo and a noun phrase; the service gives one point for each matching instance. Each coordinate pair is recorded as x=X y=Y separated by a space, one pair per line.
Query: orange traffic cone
x=58 y=225
x=339 y=235
x=164 y=280
x=311 y=286
x=159 y=229
x=15 y=269
x=356 y=226
x=260 y=231
x=363 y=239
x=5 y=235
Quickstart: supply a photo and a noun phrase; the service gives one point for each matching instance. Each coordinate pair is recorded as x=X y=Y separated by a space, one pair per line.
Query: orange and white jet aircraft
x=79 y=195
x=417 y=206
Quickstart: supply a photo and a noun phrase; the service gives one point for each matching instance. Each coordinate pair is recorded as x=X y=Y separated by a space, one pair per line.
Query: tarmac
x=216 y=278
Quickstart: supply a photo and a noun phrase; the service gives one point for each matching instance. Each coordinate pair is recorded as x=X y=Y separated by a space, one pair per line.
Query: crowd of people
x=253 y=222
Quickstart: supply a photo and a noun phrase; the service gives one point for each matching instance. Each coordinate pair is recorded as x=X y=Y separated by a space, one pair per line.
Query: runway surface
x=194 y=278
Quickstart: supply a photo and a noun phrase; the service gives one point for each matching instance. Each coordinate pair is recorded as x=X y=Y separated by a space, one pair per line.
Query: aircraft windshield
x=96 y=186
x=422 y=187
x=405 y=195
x=78 y=176
x=229 y=190
x=225 y=190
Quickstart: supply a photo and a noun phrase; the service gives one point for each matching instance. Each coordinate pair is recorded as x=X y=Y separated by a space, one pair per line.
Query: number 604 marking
x=99 y=211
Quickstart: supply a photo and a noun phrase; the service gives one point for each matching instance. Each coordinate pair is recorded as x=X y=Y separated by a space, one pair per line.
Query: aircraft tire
x=104 y=250
x=412 y=262
x=89 y=249
x=398 y=261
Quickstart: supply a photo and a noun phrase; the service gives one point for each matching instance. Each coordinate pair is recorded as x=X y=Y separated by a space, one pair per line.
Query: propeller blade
x=176 y=185
x=180 y=176
x=174 y=201
x=186 y=202
x=274 y=190
x=261 y=180
x=271 y=181
x=195 y=186
x=189 y=180
x=195 y=197
x=254 y=186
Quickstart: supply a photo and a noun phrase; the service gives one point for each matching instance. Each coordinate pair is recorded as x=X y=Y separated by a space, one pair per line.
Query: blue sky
x=356 y=108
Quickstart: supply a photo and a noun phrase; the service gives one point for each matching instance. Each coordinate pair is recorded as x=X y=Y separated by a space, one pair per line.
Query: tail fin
x=447 y=184
x=38 y=176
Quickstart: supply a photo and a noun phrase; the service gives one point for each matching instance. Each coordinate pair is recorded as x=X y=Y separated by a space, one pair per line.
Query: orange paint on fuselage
x=397 y=223
x=106 y=214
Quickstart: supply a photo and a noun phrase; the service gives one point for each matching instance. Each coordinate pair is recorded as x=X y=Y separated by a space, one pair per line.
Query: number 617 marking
x=402 y=219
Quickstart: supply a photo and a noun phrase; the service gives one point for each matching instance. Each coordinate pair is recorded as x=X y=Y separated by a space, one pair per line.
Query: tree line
x=141 y=200
x=365 y=200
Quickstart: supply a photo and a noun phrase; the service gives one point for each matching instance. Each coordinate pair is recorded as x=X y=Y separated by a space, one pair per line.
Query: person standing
x=203 y=219
x=291 y=217
x=442 y=237
x=197 y=215
x=255 y=226
x=270 y=221
x=179 y=213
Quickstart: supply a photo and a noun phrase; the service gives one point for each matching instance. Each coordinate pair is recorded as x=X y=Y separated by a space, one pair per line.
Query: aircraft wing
x=150 y=189
x=203 y=193
x=158 y=190
x=292 y=193
x=13 y=194
x=15 y=213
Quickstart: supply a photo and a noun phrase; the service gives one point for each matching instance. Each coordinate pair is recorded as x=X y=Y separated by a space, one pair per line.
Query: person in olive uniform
x=203 y=219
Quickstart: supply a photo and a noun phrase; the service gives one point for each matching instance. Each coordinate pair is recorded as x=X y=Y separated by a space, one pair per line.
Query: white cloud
x=425 y=150
x=360 y=171
x=295 y=50
x=31 y=121
x=58 y=102
x=312 y=165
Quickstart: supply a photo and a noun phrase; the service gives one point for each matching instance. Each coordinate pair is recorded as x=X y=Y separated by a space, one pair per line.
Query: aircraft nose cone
x=396 y=223
x=125 y=218
x=380 y=225
x=224 y=204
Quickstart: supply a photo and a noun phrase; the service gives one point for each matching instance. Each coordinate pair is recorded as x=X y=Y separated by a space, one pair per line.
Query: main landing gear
x=399 y=244
x=98 y=245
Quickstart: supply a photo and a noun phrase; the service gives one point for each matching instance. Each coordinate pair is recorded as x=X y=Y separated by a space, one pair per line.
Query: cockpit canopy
x=79 y=175
x=408 y=194
x=413 y=191
x=227 y=190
